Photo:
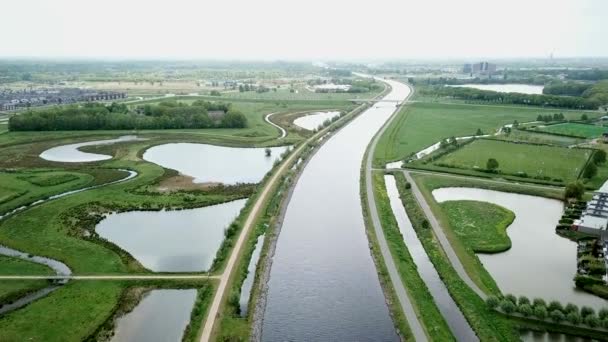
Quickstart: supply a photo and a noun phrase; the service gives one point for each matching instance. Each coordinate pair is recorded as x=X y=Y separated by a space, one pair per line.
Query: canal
x=323 y=284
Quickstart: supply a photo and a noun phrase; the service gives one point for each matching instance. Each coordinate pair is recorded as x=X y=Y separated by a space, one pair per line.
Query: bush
x=492 y=302
x=555 y=305
x=574 y=190
x=540 y=312
x=592 y=321
x=525 y=309
x=599 y=157
x=539 y=302
x=586 y=311
x=603 y=313
x=557 y=316
x=511 y=298
x=571 y=308
x=590 y=171
x=573 y=317
x=507 y=306
x=523 y=300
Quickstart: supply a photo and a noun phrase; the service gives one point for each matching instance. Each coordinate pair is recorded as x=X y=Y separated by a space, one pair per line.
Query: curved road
x=283 y=132
x=404 y=300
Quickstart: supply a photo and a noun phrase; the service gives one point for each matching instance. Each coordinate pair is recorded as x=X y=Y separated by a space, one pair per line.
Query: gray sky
x=309 y=29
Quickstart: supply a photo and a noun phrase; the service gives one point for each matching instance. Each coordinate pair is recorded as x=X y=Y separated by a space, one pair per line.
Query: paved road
x=283 y=132
x=443 y=240
x=404 y=300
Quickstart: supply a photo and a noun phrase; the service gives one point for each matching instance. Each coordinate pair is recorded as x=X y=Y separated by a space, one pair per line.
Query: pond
x=446 y=305
x=248 y=283
x=71 y=154
x=162 y=315
x=540 y=263
x=171 y=241
x=215 y=164
x=506 y=88
x=312 y=121
x=323 y=283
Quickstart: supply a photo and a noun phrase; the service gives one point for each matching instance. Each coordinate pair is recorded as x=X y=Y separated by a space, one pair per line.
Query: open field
x=519 y=159
x=422 y=124
x=15 y=289
x=481 y=226
x=575 y=130
x=536 y=137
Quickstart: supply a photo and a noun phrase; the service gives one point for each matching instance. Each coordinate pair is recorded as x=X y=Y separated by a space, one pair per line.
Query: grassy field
x=12 y=289
x=575 y=129
x=422 y=124
x=481 y=226
x=535 y=137
x=517 y=159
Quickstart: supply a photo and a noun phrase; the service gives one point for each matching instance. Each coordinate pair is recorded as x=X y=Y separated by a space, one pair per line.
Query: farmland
x=519 y=159
x=575 y=130
x=422 y=124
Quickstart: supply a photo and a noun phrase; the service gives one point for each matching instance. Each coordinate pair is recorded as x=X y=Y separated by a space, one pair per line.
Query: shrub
x=507 y=306
x=492 y=302
x=557 y=316
x=523 y=300
x=540 y=312
x=592 y=321
x=603 y=313
x=511 y=298
x=586 y=311
x=573 y=317
x=408 y=185
x=571 y=308
x=539 y=302
x=525 y=309
x=555 y=305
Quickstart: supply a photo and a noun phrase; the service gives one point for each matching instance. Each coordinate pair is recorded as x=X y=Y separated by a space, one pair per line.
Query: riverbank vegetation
x=422 y=300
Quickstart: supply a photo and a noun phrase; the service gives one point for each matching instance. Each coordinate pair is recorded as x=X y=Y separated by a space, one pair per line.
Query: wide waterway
x=323 y=284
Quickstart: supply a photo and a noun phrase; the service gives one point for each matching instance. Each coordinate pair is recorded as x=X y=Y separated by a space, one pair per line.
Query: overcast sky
x=304 y=29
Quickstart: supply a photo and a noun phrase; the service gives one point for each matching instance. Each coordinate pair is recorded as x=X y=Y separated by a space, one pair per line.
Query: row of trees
x=558 y=313
x=472 y=94
x=549 y=117
x=566 y=88
x=166 y=115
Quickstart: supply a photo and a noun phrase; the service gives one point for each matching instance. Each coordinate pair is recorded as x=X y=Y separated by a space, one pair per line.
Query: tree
x=584 y=117
x=479 y=132
x=492 y=302
x=557 y=316
x=523 y=300
x=586 y=311
x=525 y=309
x=268 y=152
x=574 y=190
x=539 y=302
x=492 y=164
x=571 y=308
x=540 y=312
x=599 y=157
x=603 y=313
x=592 y=321
x=555 y=305
x=573 y=317
x=590 y=171
x=511 y=297
x=507 y=306
x=215 y=93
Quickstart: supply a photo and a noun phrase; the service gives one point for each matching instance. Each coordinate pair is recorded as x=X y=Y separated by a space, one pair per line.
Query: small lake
x=248 y=283
x=71 y=154
x=446 y=305
x=215 y=164
x=171 y=241
x=162 y=315
x=312 y=121
x=506 y=88
x=540 y=263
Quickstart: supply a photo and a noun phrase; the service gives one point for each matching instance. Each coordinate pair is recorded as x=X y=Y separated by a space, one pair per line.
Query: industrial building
x=594 y=219
x=479 y=69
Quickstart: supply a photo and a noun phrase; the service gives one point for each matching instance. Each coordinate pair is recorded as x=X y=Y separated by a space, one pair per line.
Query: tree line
x=472 y=94
x=99 y=116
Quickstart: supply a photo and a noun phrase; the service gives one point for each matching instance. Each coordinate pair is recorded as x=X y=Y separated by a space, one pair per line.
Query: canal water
x=71 y=154
x=162 y=315
x=507 y=88
x=314 y=120
x=215 y=164
x=323 y=284
x=171 y=241
x=540 y=263
x=248 y=283
x=449 y=309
